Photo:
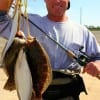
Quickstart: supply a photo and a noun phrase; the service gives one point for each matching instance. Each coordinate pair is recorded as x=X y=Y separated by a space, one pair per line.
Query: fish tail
x=9 y=85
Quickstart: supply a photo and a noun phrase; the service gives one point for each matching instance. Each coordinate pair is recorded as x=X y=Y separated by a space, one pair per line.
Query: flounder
x=40 y=67
x=9 y=61
x=28 y=68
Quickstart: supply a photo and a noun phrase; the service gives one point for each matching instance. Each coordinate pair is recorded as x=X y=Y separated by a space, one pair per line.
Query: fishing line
x=70 y=53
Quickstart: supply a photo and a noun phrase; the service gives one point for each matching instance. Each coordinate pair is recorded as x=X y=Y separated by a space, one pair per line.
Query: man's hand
x=5 y=5
x=93 y=68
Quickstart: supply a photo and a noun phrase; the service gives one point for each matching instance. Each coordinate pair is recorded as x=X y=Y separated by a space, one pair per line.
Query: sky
x=85 y=12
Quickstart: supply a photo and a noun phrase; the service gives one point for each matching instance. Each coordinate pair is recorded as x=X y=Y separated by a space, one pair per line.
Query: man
x=56 y=12
x=60 y=27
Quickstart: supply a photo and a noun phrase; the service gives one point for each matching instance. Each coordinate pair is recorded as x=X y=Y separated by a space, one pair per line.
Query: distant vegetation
x=93 y=28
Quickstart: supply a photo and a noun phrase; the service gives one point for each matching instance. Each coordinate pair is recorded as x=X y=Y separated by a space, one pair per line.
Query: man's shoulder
x=34 y=16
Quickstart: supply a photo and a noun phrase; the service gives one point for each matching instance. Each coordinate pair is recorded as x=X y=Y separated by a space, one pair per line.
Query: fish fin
x=9 y=85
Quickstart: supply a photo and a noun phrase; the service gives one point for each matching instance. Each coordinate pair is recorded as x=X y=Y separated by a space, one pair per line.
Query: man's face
x=56 y=7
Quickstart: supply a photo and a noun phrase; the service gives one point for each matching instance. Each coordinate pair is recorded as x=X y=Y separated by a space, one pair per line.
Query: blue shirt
x=71 y=35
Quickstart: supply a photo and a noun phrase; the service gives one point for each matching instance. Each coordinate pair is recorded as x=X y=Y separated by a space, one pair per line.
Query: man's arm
x=5 y=5
x=5 y=22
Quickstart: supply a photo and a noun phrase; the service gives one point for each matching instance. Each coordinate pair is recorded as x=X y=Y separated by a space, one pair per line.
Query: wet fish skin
x=40 y=67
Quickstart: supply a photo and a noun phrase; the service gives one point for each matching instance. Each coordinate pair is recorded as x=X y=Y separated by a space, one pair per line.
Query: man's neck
x=58 y=18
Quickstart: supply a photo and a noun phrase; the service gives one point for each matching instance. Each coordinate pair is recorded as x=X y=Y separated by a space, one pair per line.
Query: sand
x=92 y=86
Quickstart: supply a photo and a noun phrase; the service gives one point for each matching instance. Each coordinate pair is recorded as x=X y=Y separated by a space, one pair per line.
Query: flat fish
x=28 y=68
x=9 y=61
x=40 y=67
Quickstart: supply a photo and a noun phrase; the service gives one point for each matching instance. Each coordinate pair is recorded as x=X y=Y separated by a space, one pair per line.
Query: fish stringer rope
x=19 y=4
x=27 y=22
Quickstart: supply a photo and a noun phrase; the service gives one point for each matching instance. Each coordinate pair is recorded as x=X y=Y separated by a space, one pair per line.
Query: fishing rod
x=82 y=58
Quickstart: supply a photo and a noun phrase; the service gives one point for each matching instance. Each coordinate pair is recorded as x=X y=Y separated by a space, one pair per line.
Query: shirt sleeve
x=5 y=25
x=93 y=47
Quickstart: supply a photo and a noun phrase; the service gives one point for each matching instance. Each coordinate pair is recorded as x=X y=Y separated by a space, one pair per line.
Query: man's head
x=57 y=8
